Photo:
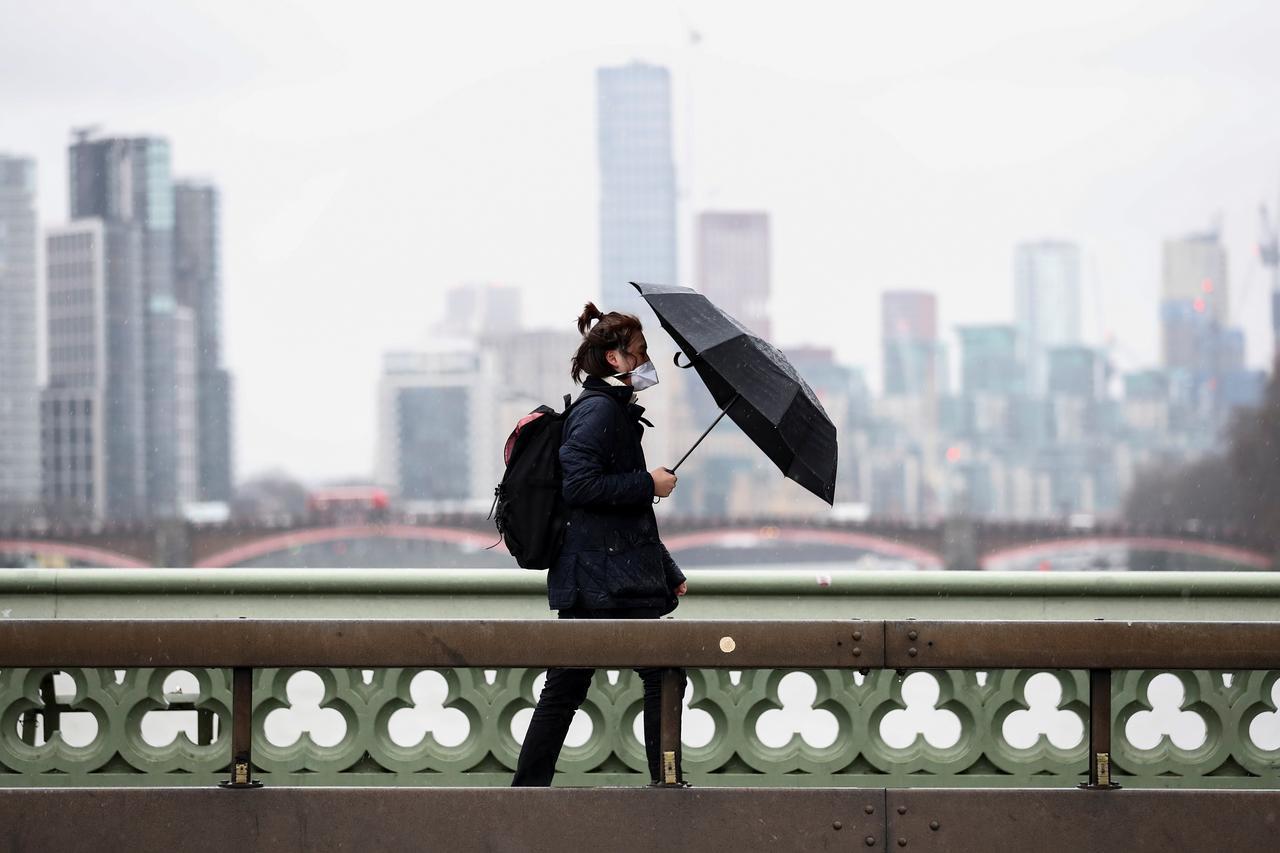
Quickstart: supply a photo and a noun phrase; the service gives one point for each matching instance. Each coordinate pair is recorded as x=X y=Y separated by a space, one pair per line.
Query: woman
x=612 y=564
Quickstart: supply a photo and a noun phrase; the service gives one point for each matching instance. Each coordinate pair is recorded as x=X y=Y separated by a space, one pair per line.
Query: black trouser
x=565 y=690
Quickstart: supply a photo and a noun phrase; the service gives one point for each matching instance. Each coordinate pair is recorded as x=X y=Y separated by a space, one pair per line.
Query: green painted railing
x=715 y=593
x=1014 y=728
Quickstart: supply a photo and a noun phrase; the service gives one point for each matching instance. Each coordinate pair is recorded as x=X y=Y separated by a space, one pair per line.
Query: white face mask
x=644 y=376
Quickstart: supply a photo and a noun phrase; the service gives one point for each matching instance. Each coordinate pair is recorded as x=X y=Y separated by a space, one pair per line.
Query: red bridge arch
x=319 y=536
x=731 y=537
x=1048 y=548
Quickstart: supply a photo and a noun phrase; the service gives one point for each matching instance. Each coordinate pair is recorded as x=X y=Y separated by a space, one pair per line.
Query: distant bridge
x=957 y=543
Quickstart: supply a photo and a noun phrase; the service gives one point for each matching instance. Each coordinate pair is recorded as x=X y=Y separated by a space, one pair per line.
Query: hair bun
x=589 y=314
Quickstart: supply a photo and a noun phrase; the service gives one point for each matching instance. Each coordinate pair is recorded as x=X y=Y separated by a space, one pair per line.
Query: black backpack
x=528 y=507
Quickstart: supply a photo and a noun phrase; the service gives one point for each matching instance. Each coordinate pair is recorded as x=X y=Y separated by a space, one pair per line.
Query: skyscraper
x=988 y=360
x=733 y=265
x=19 y=393
x=438 y=437
x=1198 y=346
x=126 y=183
x=637 y=182
x=93 y=410
x=1046 y=278
x=198 y=288
x=909 y=338
x=1077 y=372
x=1194 y=270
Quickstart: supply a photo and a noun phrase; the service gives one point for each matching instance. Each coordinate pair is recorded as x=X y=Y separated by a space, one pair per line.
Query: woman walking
x=612 y=564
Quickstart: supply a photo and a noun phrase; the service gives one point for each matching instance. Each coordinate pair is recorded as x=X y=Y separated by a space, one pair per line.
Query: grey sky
x=373 y=155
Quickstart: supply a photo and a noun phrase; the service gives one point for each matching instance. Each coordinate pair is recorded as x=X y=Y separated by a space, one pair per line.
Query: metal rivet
x=902 y=809
x=902 y=842
x=933 y=824
x=857 y=635
x=911 y=635
x=871 y=841
x=857 y=652
x=869 y=809
x=727 y=644
x=837 y=825
x=912 y=653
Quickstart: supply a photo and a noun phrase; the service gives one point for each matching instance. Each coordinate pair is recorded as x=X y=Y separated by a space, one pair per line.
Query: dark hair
x=611 y=331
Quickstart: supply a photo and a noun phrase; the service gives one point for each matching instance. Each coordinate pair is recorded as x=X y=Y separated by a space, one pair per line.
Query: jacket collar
x=623 y=394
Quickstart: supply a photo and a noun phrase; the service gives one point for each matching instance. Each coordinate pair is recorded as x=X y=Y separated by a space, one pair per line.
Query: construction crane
x=1269 y=253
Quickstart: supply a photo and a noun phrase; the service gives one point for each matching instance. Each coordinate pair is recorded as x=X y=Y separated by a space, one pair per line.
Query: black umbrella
x=753 y=383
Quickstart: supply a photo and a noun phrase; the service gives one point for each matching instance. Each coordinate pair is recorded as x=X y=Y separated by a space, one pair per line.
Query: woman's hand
x=683 y=588
x=663 y=481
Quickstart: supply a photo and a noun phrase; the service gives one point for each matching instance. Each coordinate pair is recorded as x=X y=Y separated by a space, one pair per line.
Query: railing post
x=669 y=734
x=204 y=727
x=52 y=713
x=49 y=712
x=27 y=733
x=241 y=730
x=1099 y=731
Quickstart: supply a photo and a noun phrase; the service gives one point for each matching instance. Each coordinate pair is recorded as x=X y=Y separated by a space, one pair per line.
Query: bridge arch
x=323 y=535
x=81 y=553
x=1047 y=549
x=746 y=537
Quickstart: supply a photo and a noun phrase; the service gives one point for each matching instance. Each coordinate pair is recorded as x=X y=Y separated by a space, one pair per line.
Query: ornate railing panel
x=390 y=726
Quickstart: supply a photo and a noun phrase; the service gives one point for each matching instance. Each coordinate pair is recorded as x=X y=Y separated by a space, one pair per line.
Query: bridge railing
x=369 y=724
x=293 y=817
x=32 y=649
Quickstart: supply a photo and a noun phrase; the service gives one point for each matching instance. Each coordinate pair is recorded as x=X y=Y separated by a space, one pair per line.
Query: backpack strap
x=586 y=393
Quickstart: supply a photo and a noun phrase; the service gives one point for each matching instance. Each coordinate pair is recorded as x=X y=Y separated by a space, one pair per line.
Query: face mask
x=644 y=376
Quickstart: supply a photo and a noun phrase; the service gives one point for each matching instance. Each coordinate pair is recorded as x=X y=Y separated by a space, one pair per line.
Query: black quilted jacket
x=612 y=556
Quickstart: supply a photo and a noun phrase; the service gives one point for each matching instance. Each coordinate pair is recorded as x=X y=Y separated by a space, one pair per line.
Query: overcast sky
x=372 y=155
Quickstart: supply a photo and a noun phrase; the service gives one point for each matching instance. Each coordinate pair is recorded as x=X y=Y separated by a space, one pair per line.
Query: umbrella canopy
x=754 y=384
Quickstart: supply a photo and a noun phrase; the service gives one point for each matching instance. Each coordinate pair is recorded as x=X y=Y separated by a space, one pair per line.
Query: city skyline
x=134 y=408
x=871 y=205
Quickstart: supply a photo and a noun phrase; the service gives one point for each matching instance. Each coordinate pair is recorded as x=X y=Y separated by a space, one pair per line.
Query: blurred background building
x=94 y=408
x=637 y=182
x=734 y=265
x=126 y=184
x=1046 y=281
x=198 y=289
x=19 y=388
x=135 y=417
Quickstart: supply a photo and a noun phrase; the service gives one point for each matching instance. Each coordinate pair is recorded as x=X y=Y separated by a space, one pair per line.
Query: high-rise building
x=637 y=183
x=733 y=265
x=989 y=360
x=1076 y=371
x=1194 y=270
x=438 y=440
x=93 y=409
x=126 y=183
x=1046 y=278
x=534 y=365
x=19 y=391
x=1193 y=302
x=909 y=337
x=1198 y=347
x=198 y=288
